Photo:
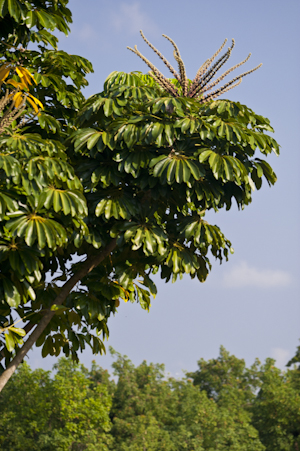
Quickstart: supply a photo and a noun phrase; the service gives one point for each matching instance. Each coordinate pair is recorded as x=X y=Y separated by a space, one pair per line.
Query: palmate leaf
x=117 y=205
x=182 y=260
x=263 y=168
x=90 y=137
x=22 y=11
x=203 y=235
x=176 y=167
x=11 y=293
x=25 y=262
x=34 y=228
x=69 y=201
x=106 y=174
x=23 y=259
x=167 y=105
x=132 y=162
x=6 y=204
x=15 y=289
x=225 y=167
x=133 y=79
x=51 y=167
x=29 y=143
x=49 y=123
x=9 y=164
x=237 y=123
x=148 y=236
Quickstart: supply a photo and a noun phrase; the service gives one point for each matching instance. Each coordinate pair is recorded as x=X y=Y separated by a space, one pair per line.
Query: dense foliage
x=222 y=406
x=121 y=181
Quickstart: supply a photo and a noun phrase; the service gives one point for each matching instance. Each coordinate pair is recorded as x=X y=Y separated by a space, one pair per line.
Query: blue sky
x=250 y=304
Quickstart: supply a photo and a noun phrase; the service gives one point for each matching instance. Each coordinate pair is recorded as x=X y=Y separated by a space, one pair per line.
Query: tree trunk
x=87 y=266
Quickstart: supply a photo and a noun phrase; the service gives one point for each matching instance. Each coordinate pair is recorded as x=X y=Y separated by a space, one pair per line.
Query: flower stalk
x=202 y=81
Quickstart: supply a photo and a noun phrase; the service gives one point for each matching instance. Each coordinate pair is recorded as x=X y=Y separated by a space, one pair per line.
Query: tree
x=126 y=192
x=227 y=375
x=150 y=411
x=60 y=413
x=145 y=409
x=276 y=409
x=267 y=397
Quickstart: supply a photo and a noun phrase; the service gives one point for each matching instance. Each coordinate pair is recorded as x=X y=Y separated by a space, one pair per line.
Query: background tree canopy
x=222 y=406
x=122 y=181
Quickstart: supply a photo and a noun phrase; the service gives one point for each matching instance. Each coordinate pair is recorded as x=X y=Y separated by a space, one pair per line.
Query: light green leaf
x=18 y=331
x=9 y=341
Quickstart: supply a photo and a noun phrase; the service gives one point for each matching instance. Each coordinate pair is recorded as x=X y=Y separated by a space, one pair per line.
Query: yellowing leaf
x=19 y=72
x=23 y=72
x=4 y=72
x=37 y=101
x=18 y=99
x=17 y=84
x=33 y=103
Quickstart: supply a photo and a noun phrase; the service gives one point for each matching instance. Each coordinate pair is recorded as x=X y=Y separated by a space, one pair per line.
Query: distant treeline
x=222 y=406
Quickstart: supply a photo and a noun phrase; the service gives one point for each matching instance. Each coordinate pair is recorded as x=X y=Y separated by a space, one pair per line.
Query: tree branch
x=88 y=266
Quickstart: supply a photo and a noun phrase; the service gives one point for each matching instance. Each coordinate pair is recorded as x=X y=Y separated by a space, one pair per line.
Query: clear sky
x=251 y=304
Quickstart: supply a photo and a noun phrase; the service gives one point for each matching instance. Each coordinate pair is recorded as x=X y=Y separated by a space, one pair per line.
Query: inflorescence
x=201 y=86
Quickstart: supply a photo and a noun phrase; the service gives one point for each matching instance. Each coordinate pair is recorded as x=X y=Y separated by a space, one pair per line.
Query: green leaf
x=9 y=341
x=196 y=171
x=228 y=170
x=108 y=107
x=12 y=295
x=215 y=163
x=156 y=130
x=41 y=235
x=13 y=9
x=31 y=19
x=150 y=242
x=169 y=132
x=222 y=129
x=58 y=308
x=185 y=125
x=179 y=171
x=171 y=170
x=18 y=331
x=189 y=230
x=185 y=170
x=46 y=20
x=205 y=155
x=92 y=141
